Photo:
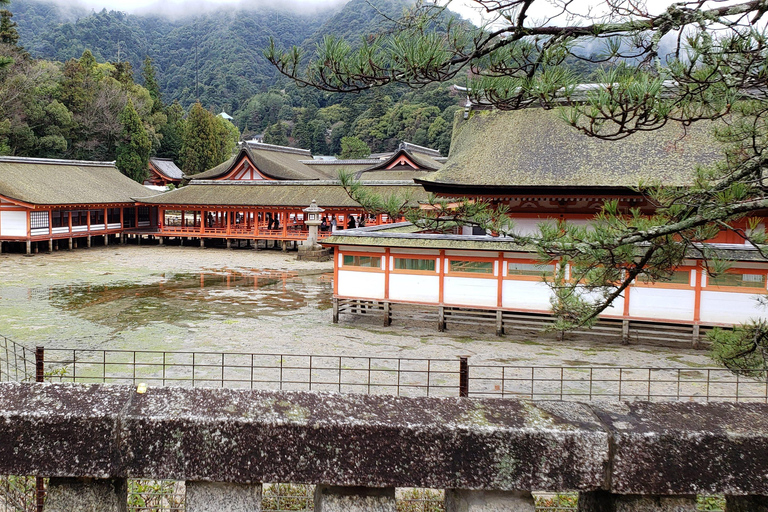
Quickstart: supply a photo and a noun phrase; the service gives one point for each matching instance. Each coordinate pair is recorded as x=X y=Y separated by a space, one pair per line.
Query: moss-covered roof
x=275 y=162
x=166 y=167
x=44 y=181
x=536 y=148
x=276 y=193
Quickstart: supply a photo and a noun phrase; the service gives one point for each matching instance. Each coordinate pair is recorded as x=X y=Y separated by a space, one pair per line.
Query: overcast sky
x=174 y=8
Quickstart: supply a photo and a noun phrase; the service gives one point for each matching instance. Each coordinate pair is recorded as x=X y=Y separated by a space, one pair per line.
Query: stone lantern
x=313 y=218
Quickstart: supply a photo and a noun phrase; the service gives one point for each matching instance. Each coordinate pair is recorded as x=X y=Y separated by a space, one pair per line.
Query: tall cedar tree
x=134 y=146
x=150 y=84
x=200 y=149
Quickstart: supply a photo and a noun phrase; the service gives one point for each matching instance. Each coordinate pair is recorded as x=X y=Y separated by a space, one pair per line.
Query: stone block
x=221 y=497
x=746 y=504
x=354 y=499
x=602 y=501
x=86 y=495
x=460 y=500
x=673 y=448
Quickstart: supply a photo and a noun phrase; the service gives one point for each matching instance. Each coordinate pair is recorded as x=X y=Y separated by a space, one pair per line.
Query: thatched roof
x=535 y=148
x=275 y=193
x=276 y=162
x=381 y=171
x=166 y=167
x=43 y=181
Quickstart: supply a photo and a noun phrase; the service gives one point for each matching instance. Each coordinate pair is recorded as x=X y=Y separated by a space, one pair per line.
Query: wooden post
x=463 y=377
x=335 y=310
x=50 y=245
x=387 y=314
x=499 y=323
x=696 y=332
x=625 y=332
x=39 y=377
x=29 y=248
x=441 y=318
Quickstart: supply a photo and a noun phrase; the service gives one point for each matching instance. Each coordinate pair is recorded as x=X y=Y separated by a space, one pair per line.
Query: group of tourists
x=352 y=223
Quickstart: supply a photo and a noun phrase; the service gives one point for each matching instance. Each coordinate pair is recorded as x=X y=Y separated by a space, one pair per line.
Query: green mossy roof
x=66 y=182
x=535 y=148
x=273 y=163
x=272 y=194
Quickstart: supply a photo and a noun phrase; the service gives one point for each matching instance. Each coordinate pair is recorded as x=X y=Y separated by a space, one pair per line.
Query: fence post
x=39 y=377
x=39 y=364
x=463 y=377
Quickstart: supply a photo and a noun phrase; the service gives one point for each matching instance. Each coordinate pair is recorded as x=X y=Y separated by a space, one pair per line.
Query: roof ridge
x=55 y=161
x=280 y=149
x=287 y=183
x=343 y=162
x=409 y=146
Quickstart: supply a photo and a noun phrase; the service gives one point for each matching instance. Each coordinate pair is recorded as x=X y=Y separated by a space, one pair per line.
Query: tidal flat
x=216 y=300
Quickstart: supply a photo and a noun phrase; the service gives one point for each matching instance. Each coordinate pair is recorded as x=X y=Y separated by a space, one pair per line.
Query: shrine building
x=259 y=194
x=45 y=201
x=545 y=171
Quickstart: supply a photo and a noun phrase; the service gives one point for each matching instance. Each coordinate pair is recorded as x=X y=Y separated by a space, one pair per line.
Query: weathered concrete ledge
x=243 y=436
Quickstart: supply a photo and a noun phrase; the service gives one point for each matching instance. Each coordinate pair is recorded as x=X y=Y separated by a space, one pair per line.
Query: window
x=474 y=267
x=38 y=220
x=362 y=261
x=97 y=216
x=79 y=218
x=143 y=213
x=740 y=280
x=415 y=264
x=60 y=219
x=530 y=269
x=113 y=215
x=677 y=277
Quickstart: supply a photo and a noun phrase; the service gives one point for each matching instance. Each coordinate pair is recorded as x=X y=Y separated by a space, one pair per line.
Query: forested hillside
x=215 y=57
x=85 y=84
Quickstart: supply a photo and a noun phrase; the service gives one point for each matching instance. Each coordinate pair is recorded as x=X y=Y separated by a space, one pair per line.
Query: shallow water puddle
x=182 y=298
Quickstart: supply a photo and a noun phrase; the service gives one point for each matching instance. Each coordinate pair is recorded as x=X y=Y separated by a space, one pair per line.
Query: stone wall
x=487 y=454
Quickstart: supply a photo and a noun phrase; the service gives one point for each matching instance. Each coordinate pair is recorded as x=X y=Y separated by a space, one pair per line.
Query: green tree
x=352 y=147
x=200 y=148
x=134 y=146
x=690 y=62
x=276 y=134
x=150 y=83
x=172 y=132
x=8 y=33
x=227 y=136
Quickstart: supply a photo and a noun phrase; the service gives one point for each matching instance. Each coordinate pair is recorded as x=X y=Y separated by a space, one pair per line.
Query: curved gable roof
x=273 y=162
x=420 y=161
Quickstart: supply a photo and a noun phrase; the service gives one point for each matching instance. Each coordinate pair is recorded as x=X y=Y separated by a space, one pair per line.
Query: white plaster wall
x=730 y=307
x=367 y=285
x=533 y=295
x=615 y=309
x=13 y=224
x=661 y=303
x=413 y=287
x=98 y=227
x=470 y=291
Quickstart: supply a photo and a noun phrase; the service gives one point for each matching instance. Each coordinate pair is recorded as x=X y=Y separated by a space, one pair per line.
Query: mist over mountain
x=215 y=57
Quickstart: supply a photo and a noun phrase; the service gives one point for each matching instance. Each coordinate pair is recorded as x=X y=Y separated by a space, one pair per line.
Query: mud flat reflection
x=177 y=299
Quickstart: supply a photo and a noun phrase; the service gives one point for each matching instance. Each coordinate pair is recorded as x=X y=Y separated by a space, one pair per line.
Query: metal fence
x=579 y=383
x=397 y=376
x=343 y=374
x=17 y=363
